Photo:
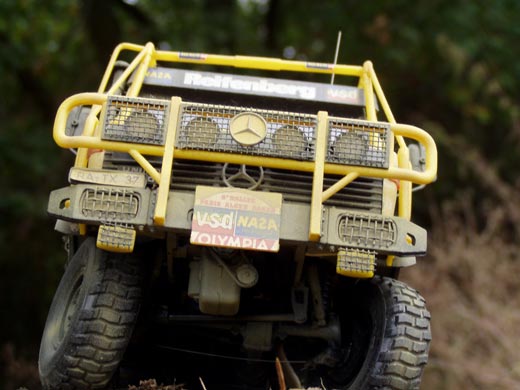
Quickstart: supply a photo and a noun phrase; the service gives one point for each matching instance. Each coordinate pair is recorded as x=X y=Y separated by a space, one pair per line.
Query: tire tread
x=408 y=334
x=103 y=330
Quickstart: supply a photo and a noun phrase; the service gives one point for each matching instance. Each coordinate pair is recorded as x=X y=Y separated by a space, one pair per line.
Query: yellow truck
x=255 y=215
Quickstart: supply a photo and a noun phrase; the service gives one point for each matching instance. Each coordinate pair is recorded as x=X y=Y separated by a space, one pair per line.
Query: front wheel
x=90 y=320
x=383 y=344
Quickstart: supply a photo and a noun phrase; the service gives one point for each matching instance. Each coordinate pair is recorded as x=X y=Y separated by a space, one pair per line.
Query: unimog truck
x=234 y=208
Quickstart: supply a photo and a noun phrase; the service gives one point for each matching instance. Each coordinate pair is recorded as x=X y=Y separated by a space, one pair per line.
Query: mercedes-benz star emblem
x=248 y=128
x=243 y=178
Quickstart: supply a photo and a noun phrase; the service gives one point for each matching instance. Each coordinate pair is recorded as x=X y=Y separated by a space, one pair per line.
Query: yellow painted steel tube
x=248 y=62
x=69 y=142
x=380 y=94
x=407 y=131
x=60 y=122
x=143 y=162
x=167 y=163
x=317 y=181
x=369 y=92
x=384 y=103
x=140 y=74
x=92 y=142
x=263 y=63
x=91 y=122
x=339 y=185
x=405 y=187
x=126 y=73
x=110 y=67
x=90 y=125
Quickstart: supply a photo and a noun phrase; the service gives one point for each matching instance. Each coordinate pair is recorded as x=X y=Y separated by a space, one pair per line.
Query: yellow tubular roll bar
x=147 y=57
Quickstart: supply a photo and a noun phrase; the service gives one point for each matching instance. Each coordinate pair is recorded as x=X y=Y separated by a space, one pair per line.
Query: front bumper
x=341 y=228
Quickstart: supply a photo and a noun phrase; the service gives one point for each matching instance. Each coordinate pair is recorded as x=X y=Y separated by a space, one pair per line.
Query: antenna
x=338 y=42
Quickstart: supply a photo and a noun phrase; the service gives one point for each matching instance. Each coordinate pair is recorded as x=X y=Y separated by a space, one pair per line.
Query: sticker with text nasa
x=236 y=218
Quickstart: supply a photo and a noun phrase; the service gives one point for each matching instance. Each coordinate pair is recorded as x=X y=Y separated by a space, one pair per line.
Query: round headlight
x=142 y=121
x=142 y=127
x=202 y=131
x=349 y=146
x=289 y=141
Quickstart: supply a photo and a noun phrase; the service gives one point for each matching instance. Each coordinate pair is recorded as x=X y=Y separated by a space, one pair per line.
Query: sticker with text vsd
x=236 y=218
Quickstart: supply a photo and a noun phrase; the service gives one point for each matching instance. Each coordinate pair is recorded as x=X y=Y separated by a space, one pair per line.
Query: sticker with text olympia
x=236 y=218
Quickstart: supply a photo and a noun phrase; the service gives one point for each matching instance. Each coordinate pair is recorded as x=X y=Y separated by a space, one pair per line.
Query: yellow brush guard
x=147 y=56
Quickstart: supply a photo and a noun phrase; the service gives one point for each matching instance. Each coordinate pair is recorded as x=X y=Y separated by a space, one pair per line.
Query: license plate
x=113 y=178
x=236 y=218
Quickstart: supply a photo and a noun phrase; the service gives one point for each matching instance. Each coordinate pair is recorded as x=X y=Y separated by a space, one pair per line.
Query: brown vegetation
x=470 y=280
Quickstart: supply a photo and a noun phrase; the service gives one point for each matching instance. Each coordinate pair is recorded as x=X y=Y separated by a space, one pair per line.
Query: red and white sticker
x=236 y=218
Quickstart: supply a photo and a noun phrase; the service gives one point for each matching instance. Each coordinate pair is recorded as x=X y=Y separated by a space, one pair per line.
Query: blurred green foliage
x=450 y=66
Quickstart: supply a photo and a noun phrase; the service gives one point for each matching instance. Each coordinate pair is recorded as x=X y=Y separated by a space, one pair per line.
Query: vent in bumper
x=109 y=204
x=370 y=231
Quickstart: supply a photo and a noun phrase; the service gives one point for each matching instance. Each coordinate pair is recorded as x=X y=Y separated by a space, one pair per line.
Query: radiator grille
x=135 y=120
x=364 y=194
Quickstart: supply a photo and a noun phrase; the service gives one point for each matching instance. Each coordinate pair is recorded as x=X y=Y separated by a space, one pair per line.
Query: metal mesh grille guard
x=358 y=143
x=289 y=135
x=135 y=120
x=207 y=127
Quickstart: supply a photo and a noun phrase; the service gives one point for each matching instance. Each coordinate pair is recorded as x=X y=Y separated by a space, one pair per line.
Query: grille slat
x=186 y=175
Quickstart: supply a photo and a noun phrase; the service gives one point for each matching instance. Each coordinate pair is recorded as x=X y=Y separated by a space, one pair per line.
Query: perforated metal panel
x=135 y=120
x=207 y=127
x=358 y=143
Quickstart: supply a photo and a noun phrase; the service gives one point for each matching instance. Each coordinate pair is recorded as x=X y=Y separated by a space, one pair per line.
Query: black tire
x=385 y=338
x=90 y=320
